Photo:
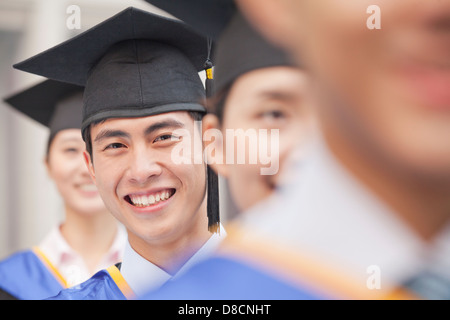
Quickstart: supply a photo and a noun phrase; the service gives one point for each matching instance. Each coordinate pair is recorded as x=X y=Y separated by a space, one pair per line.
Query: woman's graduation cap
x=54 y=104
x=134 y=64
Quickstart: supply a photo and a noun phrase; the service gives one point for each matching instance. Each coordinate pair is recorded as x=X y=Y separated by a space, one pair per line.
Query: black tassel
x=213 y=201
x=213 y=179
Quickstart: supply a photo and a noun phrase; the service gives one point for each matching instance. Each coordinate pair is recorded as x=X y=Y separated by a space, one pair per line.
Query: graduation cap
x=239 y=47
x=134 y=64
x=54 y=104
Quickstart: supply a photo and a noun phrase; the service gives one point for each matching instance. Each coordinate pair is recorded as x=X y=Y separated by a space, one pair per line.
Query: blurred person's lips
x=426 y=66
x=88 y=189
x=434 y=86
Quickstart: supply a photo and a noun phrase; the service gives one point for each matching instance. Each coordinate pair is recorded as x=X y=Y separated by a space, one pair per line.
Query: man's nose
x=143 y=166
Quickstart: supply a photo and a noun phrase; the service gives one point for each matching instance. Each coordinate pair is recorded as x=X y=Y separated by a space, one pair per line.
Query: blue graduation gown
x=104 y=285
x=28 y=275
x=250 y=267
x=223 y=278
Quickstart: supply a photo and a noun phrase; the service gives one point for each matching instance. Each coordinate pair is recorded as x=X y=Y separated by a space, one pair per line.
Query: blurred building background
x=29 y=202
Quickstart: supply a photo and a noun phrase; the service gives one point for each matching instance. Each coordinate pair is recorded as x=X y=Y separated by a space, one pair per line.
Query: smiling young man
x=161 y=203
x=142 y=86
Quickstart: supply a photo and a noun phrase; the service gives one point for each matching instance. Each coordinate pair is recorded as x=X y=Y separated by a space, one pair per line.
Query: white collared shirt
x=331 y=214
x=143 y=276
x=70 y=264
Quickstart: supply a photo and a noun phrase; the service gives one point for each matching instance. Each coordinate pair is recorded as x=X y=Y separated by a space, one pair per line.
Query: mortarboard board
x=133 y=64
x=54 y=104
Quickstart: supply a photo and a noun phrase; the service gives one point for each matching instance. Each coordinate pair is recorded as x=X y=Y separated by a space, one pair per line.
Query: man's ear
x=213 y=142
x=89 y=165
x=272 y=18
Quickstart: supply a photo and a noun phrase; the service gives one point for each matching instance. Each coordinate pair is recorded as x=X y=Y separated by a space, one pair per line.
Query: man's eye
x=114 y=146
x=167 y=137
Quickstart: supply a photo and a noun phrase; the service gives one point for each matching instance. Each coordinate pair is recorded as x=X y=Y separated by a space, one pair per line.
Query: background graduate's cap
x=54 y=104
x=208 y=17
x=239 y=47
x=134 y=64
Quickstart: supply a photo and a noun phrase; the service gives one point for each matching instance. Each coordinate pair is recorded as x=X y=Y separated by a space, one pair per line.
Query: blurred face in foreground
x=385 y=93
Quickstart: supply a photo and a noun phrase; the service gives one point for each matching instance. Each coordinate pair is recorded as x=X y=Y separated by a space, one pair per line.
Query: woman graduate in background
x=89 y=239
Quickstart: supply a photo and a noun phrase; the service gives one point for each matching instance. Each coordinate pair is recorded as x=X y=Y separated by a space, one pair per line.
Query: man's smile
x=149 y=199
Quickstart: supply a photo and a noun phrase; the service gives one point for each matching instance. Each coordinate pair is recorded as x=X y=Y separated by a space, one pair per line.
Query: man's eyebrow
x=277 y=95
x=164 y=124
x=107 y=133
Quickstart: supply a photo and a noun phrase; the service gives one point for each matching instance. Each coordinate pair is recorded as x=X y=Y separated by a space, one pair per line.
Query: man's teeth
x=148 y=200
